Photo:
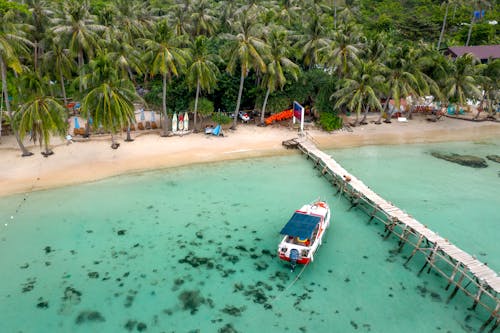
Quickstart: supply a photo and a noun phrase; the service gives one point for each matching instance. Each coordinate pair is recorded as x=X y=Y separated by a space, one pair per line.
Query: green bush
x=329 y=121
x=205 y=106
x=220 y=118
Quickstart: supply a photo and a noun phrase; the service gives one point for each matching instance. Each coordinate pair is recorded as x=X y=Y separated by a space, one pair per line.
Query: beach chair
x=148 y=125
x=217 y=131
x=140 y=126
x=153 y=125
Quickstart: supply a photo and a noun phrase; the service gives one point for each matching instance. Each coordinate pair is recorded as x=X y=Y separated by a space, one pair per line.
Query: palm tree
x=39 y=21
x=78 y=25
x=343 y=53
x=360 y=91
x=166 y=57
x=247 y=51
x=126 y=56
x=60 y=60
x=443 y=26
x=401 y=75
x=277 y=65
x=132 y=19
x=491 y=89
x=477 y=4
x=314 y=38
x=461 y=81
x=179 y=19
x=203 y=71
x=12 y=42
x=204 y=22
x=110 y=99
x=41 y=115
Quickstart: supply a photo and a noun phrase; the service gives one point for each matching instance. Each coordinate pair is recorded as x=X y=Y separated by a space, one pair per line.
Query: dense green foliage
x=330 y=55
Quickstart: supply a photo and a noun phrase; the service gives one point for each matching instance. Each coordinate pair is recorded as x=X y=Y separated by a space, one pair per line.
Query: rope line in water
x=290 y=285
x=26 y=194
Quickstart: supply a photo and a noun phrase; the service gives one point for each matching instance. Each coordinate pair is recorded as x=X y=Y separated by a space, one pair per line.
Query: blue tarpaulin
x=301 y=225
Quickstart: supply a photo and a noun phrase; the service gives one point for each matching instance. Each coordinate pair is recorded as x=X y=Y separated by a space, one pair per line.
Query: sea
x=193 y=249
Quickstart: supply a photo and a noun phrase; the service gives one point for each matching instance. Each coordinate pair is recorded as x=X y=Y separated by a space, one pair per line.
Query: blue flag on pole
x=297 y=110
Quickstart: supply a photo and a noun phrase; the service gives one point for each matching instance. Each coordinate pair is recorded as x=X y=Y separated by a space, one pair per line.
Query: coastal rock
x=494 y=158
x=466 y=160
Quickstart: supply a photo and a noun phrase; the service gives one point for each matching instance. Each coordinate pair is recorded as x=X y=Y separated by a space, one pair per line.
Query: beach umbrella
x=186 y=121
x=143 y=117
x=77 y=125
x=152 y=116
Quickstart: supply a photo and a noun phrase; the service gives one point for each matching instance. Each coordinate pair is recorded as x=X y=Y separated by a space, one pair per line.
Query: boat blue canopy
x=301 y=225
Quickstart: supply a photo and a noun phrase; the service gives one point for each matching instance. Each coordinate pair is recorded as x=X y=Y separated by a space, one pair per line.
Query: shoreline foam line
x=460 y=269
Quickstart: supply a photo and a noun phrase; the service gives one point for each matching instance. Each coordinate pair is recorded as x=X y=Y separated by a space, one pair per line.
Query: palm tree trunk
x=480 y=107
x=470 y=29
x=3 y=69
x=444 y=25
x=47 y=149
x=196 y=103
x=63 y=89
x=128 y=139
x=240 y=92
x=365 y=114
x=262 y=114
x=80 y=65
x=35 y=56
x=164 y=105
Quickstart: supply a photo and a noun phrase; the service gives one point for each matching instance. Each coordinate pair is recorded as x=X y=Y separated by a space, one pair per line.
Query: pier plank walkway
x=460 y=269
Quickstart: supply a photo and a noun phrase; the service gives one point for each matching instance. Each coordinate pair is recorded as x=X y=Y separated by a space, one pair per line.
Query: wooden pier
x=461 y=270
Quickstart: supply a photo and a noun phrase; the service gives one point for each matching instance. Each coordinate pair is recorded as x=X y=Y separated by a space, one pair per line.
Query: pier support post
x=457 y=286
x=404 y=238
x=417 y=247
x=450 y=280
x=477 y=298
x=490 y=319
x=372 y=215
x=429 y=259
x=390 y=228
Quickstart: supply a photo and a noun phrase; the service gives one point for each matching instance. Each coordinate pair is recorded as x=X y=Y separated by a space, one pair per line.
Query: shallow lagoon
x=193 y=249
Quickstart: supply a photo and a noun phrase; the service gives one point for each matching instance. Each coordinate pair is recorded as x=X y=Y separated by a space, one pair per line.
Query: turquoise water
x=459 y=202
x=193 y=249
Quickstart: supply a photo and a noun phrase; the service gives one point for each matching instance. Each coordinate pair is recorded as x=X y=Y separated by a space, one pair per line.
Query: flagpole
x=302 y=120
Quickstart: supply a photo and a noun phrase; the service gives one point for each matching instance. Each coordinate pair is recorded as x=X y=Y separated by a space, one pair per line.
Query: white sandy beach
x=89 y=160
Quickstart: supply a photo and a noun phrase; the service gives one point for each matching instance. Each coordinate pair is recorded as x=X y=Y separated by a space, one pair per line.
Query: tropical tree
x=344 y=52
x=59 y=60
x=461 y=82
x=78 y=25
x=132 y=19
x=202 y=18
x=277 y=65
x=447 y=4
x=12 y=43
x=39 y=20
x=360 y=91
x=202 y=73
x=490 y=73
x=247 y=51
x=127 y=57
x=477 y=4
x=166 y=58
x=41 y=115
x=312 y=40
x=400 y=76
x=109 y=101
